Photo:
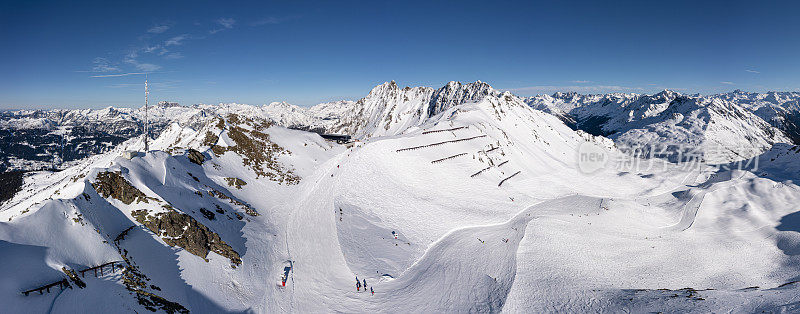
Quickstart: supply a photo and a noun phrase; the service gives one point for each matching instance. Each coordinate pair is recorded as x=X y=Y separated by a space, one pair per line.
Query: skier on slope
x=358 y=285
x=371 y=291
x=365 y=283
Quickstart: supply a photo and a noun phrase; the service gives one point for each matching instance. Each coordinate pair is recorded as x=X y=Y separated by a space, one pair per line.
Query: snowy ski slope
x=479 y=207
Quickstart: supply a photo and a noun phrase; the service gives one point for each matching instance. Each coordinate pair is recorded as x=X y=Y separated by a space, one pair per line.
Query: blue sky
x=84 y=54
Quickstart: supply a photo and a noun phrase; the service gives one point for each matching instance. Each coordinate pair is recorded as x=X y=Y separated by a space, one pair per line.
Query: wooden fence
x=440 y=143
x=122 y=234
x=445 y=130
x=511 y=176
x=479 y=172
x=446 y=158
x=110 y=267
x=61 y=285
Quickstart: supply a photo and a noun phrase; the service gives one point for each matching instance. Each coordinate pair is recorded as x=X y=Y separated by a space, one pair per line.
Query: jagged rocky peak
x=455 y=93
x=388 y=109
x=282 y=105
x=168 y=104
x=383 y=89
x=108 y=112
x=565 y=95
x=667 y=94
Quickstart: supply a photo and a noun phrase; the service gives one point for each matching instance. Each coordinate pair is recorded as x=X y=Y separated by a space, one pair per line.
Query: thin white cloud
x=174 y=55
x=272 y=20
x=226 y=23
x=131 y=57
x=581 y=82
x=752 y=71
x=158 y=29
x=103 y=65
x=147 y=67
x=118 y=75
x=266 y=20
x=176 y=41
x=150 y=49
x=727 y=83
x=585 y=89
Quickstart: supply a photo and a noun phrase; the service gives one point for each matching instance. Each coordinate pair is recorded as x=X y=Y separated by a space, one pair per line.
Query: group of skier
x=358 y=286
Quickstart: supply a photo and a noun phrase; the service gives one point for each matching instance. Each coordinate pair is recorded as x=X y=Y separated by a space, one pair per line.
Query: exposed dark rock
x=247 y=209
x=207 y=213
x=178 y=229
x=196 y=157
x=236 y=182
x=210 y=139
x=112 y=184
x=258 y=152
x=153 y=302
x=136 y=282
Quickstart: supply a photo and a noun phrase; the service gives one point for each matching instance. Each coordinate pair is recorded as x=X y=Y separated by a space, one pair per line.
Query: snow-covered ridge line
x=738 y=125
x=754 y=121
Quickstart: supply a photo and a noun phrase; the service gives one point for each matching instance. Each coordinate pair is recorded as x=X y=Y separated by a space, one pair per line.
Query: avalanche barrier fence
x=445 y=130
x=441 y=143
x=446 y=158
x=509 y=177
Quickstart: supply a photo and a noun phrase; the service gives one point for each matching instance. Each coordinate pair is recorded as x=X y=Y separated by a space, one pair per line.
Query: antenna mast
x=146 y=92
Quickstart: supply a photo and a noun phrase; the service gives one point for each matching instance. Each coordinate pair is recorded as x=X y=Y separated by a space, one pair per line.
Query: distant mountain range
x=737 y=124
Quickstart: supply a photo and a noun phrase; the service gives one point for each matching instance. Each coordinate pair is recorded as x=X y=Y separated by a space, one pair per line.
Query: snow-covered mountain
x=47 y=139
x=723 y=127
x=388 y=109
x=781 y=109
x=458 y=199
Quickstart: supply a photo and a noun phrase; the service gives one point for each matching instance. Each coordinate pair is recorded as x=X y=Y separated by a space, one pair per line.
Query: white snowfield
x=476 y=205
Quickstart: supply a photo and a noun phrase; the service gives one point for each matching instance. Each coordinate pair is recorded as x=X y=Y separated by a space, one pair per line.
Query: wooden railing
x=64 y=283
